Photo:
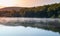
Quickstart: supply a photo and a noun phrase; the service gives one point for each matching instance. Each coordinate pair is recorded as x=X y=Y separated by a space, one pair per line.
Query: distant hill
x=46 y=11
x=10 y=8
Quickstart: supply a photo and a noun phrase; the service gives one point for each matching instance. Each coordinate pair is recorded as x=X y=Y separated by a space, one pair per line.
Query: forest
x=46 y=11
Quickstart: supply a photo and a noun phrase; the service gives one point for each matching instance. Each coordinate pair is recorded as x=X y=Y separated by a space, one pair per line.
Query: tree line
x=46 y=11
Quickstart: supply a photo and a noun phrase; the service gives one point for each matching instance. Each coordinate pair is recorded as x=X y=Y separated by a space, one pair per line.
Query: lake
x=29 y=26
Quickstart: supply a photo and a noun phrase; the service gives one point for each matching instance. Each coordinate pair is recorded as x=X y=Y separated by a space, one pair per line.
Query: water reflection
x=25 y=31
x=30 y=26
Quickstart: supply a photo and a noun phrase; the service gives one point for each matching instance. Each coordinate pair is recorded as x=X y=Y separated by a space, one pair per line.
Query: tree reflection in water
x=46 y=25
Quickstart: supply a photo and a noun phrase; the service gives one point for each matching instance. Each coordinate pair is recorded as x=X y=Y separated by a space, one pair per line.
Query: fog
x=5 y=20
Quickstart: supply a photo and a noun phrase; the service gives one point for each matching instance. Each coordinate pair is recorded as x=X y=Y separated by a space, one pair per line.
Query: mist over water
x=27 y=19
x=29 y=26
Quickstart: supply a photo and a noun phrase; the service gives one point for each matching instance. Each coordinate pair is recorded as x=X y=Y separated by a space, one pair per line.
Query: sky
x=26 y=3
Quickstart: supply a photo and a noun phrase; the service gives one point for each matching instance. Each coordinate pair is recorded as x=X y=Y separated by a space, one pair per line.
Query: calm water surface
x=28 y=27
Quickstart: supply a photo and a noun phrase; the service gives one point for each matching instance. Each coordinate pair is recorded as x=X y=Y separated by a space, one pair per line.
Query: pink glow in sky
x=26 y=3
